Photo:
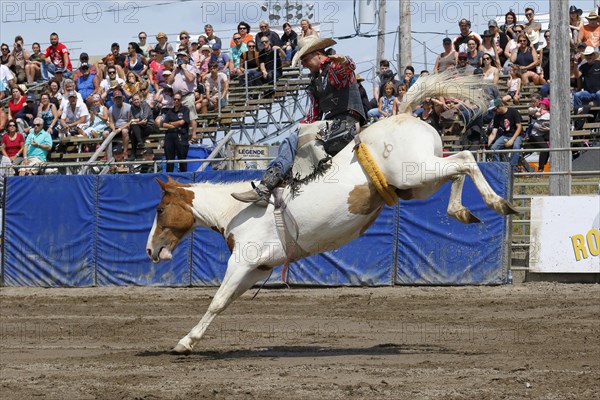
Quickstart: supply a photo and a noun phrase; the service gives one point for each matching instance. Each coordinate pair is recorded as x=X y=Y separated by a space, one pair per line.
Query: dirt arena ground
x=538 y=341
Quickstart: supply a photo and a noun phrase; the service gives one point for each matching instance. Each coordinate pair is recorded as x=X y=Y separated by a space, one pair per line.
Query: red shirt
x=56 y=55
x=12 y=147
x=16 y=107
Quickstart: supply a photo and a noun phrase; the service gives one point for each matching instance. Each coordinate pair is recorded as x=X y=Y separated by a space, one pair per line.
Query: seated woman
x=250 y=64
x=526 y=58
x=289 y=41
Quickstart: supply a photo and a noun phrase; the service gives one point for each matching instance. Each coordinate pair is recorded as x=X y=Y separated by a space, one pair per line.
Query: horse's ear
x=163 y=185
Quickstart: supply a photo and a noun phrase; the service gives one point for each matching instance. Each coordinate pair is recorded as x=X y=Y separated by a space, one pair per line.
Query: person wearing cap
x=87 y=83
x=119 y=119
x=98 y=117
x=575 y=24
x=205 y=52
x=539 y=136
x=267 y=33
x=148 y=155
x=270 y=58
x=460 y=42
x=75 y=118
x=489 y=47
x=84 y=59
x=590 y=33
x=223 y=61
x=164 y=45
x=118 y=153
x=183 y=81
x=37 y=146
x=56 y=56
x=211 y=38
x=27 y=114
x=338 y=102
x=462 y=64
x=176 y=143
x=500 y=40
x=506 y=131
x=590 y=74
x=532 y=28
x=447 y=59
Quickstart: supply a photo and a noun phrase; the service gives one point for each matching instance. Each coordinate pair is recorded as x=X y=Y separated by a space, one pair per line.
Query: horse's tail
x=447 y=84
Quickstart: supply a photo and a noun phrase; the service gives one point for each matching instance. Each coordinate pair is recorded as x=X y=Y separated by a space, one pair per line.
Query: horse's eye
x=159 y=210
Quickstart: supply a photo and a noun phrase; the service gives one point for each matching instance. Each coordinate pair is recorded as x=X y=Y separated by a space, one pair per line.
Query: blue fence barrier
x=91 y=231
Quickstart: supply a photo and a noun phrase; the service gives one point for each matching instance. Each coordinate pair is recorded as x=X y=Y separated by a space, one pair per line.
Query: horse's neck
x=213 y=205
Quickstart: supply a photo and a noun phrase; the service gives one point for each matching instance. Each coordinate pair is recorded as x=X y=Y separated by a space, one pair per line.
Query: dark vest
x=336 y=103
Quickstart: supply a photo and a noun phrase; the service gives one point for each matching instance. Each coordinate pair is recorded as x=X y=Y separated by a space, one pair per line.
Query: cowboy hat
x=588 y=50
x=592 y=15
x=310 y=44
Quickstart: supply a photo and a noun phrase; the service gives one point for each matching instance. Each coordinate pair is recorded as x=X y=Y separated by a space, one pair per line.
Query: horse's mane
x=449 y=83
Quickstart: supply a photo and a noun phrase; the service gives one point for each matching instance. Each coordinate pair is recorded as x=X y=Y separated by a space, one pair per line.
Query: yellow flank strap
x=366 y=161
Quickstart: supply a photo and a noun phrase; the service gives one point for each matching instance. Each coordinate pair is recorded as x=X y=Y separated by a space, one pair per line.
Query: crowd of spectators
x=131 y=93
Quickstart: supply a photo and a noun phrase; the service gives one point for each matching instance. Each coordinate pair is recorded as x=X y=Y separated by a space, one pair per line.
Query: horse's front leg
x=455 y=207
x=238 y=279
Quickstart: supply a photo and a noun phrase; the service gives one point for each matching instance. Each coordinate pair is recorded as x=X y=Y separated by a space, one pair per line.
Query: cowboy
x=333 y=95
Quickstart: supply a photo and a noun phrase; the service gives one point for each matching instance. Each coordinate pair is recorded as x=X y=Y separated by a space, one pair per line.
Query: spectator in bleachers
x=183 y=82
x=98 y=118
x=16 y=103
x=266 y=32
x=164 y=102
x=195 y=53
x=545 y=58
x=20 y=58
x=109 y=62
x=532 y=28
x=6 y=57
x=490 y=72
x=75 y=118
x=223 y=61
x=384 y=76
x=386 y=101
x=85 y=59
x=48 y=112
x=489 y=47
x=446 y=59
x=474 y=54
x=506 y=132
x=119 y=117
x=3 y=120
x=144 y=45
x=148 y=155
x=575 y=24
x=68 y=87
x=202 y=41
x=460 y=42
x=155 y=65
x=163 y=76
x=37 y=146
x=211 y=38
x=164 y=45
x=250 y=60
x=59 y=76
x=579 y=57
x=511 y=46
x=13 y=144
x=27 y=114
x=500 y=40
x=590 y=74
x=184 y=41
x=217 y=89
x=270 y=61
x=409 y=77
x=574 y=75
x=432 y=108
x=146 y=95
x=539 y=136
x=199 y=94
x=111 y=82
x=132 y=84
x=590 y=33
x=243 y=29
x=7 y=81
x=236 y=54
x=526 y=58
x=33 y=67
x=135 y=61
x=364 y=97
x=176 y=120
x=289 y=42
x=115 y=51
x=142 y=122
x=56 y=56
x=205 y=52
x=463 y=67
x=510 y=20
x=307 y=29
x=514 y=86
x=87 y=83
x=118 y=153
x=54 y=92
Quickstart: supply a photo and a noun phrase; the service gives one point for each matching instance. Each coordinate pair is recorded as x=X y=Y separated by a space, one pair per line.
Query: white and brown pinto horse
x=329 y=212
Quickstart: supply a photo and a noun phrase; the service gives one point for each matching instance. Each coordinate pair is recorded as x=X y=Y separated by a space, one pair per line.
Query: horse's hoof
x=465 y=216
x=507 y=209
x=181 y=350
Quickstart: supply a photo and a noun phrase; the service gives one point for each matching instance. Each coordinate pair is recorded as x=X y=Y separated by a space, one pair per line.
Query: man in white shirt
x=75 y=117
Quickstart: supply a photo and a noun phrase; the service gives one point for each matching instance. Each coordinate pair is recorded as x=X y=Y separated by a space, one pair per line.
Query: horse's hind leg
x=455 y=207
x=464 y=163
x=238 y=279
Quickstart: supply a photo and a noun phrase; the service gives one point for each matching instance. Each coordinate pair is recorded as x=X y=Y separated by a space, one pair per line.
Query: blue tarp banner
x=92 y=230
x=434 y=249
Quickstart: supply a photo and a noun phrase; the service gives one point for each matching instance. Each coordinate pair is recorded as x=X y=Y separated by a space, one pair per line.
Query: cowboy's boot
x=260 y=194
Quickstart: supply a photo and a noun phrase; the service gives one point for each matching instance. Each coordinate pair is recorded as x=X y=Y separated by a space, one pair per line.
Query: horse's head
x=174 y=219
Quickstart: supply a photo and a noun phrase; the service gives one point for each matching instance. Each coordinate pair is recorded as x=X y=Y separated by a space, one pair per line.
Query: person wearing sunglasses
x=236 y=52
x=500 y=40
x=243 y=29
x=466 y=34
x=37 y=146
x=13 y=144
x=339 y=103
x=590 y=33
x=144 y=45
x=527 y=59
x=271 y=61
x=176 y=144
x=511 y=46
x=266 y=33
x=250 y=64
x=532 y=28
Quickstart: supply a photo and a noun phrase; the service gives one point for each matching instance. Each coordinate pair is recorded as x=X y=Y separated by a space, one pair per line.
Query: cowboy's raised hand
x=338 y=58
